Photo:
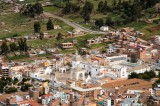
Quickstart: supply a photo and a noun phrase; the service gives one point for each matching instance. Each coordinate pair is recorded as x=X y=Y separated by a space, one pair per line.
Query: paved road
x=74 y=25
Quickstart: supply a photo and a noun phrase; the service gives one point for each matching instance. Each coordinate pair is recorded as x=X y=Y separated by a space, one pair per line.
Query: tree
x=15 y=80
x=86 y=16
x=114 y=3
x=117 y=22
x=37 y=27
x=25 y=79
x=119 y=4
x=25 y=87
x=31 y=10
x=159 y=74
x=145 y=76
x=15 y=35
x=67 y=8
x=151 y=74
x=100 y=6
x=70 y=8
x=28 y=10
x=136 y=10
x=59 y=36
x=50 y=25
x=99 y=23
x=1 y=85
x=23 y=45
x=133 y=58
x=38 y=8
x=13 y=47
x=41 y=35
x=11 y=90
x=133 y=75
x=4 y=49
x=88 y=7
x=109 y=21
x=105 y=7
x=83 y=52
x=86 y=11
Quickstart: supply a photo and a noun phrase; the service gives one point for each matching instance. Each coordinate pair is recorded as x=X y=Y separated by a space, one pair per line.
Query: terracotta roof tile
x=46 y=95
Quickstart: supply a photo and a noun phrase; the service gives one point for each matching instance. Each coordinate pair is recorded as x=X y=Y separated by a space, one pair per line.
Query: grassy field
x=13 y=24
x=50 y=43
x=52 y=9
x=31 y=1
x=18 y=57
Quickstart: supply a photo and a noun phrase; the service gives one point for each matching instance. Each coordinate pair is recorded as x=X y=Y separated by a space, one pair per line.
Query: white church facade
x=114 y=67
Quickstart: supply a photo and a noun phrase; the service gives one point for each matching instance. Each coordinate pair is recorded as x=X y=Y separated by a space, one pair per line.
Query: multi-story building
x=5 y=70
x=85 y=89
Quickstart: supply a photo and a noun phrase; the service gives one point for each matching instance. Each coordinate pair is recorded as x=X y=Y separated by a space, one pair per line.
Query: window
x=112 y=102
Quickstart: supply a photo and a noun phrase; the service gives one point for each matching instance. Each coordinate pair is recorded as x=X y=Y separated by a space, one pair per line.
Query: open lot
x=13 y=23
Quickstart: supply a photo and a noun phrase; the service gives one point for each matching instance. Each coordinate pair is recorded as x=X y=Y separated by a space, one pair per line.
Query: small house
x=104 y=28
x=67 y=45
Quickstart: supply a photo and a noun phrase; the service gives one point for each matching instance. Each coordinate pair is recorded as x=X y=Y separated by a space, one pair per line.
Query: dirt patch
x=155 y=28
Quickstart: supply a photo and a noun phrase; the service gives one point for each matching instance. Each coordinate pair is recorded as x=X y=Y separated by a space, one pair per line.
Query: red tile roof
x=30 y=101
x=47 y=95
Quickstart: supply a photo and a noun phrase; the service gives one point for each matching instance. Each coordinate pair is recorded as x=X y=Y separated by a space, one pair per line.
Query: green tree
x=59 y=36
x=133 y=75
x=136 y=10
x=1 y=85
x=159 y=74
x=13 y=47
x=88 y=7
x=109 y=21
x=15 y=35
x=15 y=80
x=37 y=27
x=99 y=22
x=38 y=8
x=4 y=49
x=145 y=76
x=41 y=35
x=86 y=16
x=117 y=22
x=50 y=25
x=70 y=8
x=134 y=58
x=114 y=3
x=31 y=10
x=66 y=9
x=11 y=90
x=119 y=4
x=25 y=87
x=100 y=6
x=105 y=7
x=25 y=79
x=87 y=10
x=23 y=45
x=151 y=74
